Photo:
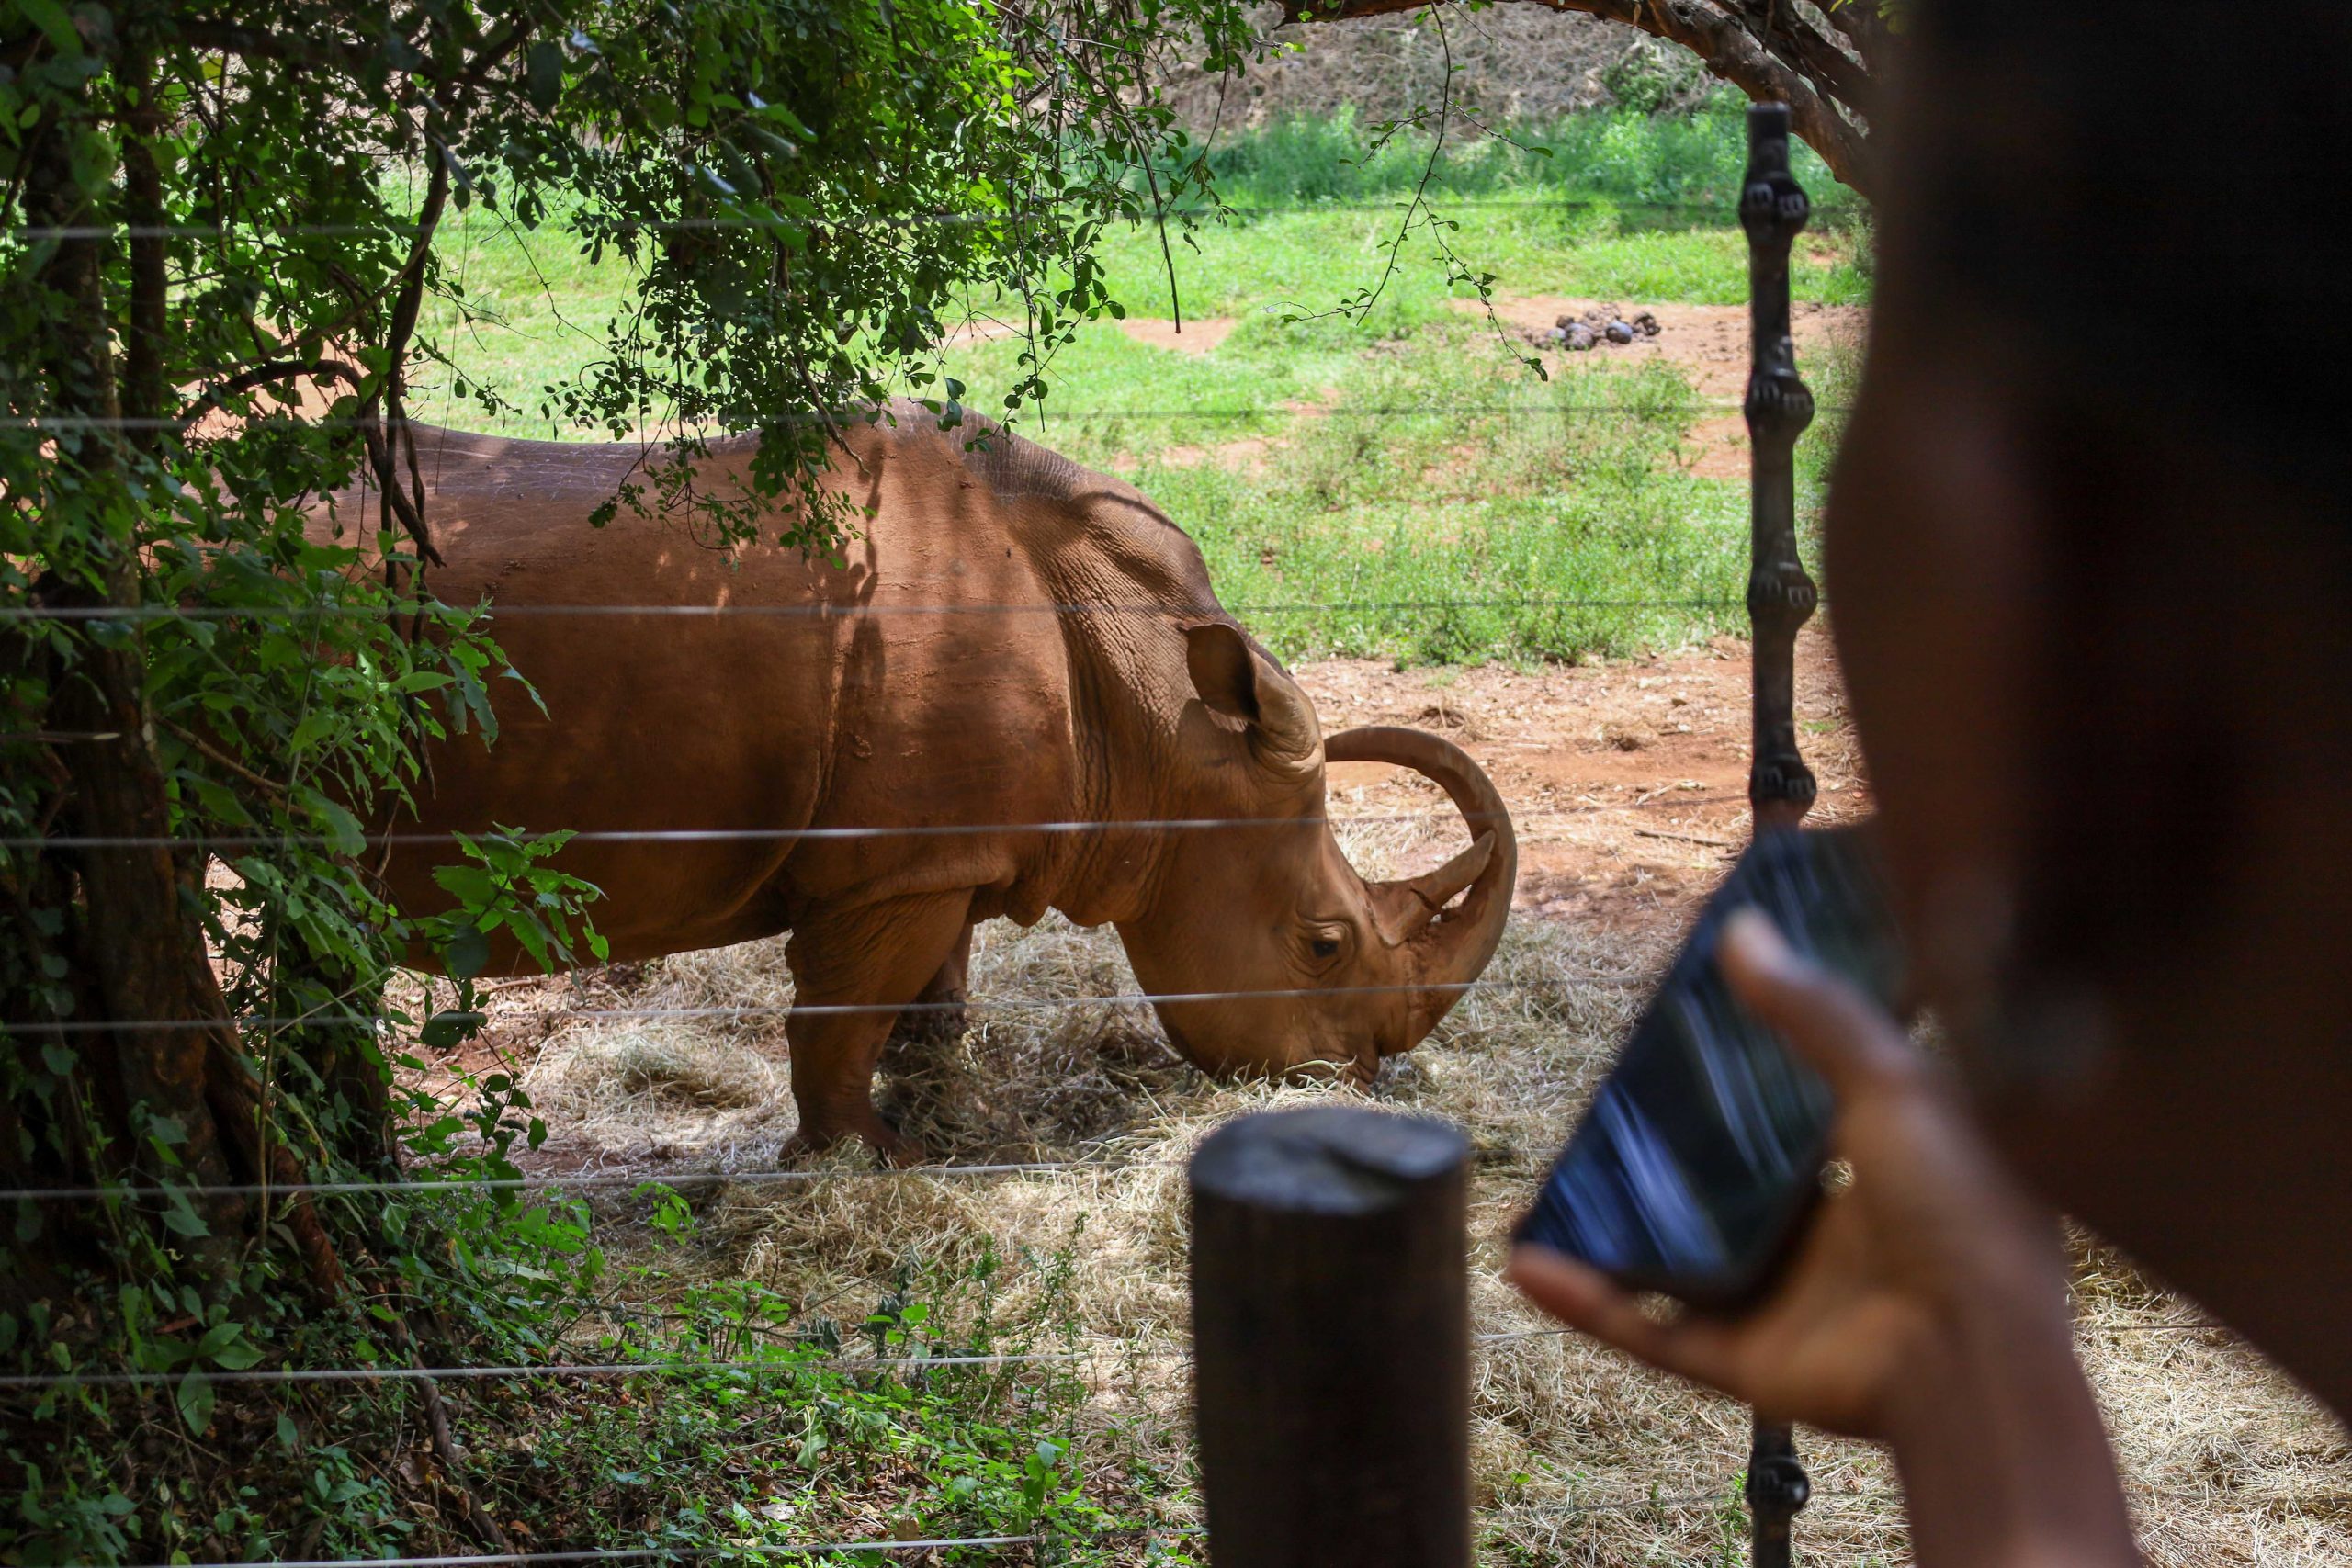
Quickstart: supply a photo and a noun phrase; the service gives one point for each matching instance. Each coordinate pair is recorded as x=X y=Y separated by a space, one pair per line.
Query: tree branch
x=254 y=43
x=352 y=58
x=261 y=376
x=1720 y=40
x=409 y=299
x=1863 y=27
x=146 y=390
x=489 y=58
x=1789 y=33
x=190 y=738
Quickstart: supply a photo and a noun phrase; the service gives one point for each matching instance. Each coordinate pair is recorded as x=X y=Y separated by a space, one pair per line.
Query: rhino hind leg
x=938 y=1016
x=854 y=959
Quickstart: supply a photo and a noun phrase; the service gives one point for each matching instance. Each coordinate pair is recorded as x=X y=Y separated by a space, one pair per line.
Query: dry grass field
x=1580 y=1456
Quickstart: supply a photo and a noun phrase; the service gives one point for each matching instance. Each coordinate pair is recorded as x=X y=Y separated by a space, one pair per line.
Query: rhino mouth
x=1357 y=1068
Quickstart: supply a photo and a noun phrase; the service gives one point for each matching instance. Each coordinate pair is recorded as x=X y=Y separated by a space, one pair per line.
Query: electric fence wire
x=581 y=1181
x=1721 y=207
x=62 y=1027
x=1535 y=822
x=781 y=1365
x=66 y=1027
x=1830 y=1497
x=1041 y=410
x=782 y=1549
x=666 y=1553
x=605 y=1370
x=67 y=612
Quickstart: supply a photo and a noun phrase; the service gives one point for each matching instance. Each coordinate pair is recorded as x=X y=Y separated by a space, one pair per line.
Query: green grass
x=1614 y=153
x=1427 y=473
x=1474 y=516
x=1310 y=258
x=794 y=1443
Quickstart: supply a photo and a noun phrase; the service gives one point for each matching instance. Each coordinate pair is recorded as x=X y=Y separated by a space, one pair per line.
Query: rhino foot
x=894 y=1147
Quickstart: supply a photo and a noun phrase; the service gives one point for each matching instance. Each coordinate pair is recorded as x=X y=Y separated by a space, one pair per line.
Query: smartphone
x=1702 y=1152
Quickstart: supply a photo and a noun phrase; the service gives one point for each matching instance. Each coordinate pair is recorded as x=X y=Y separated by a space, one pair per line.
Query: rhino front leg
x=879 y=957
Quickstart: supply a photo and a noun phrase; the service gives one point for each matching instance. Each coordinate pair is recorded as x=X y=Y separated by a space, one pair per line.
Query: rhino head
x=1289 y=958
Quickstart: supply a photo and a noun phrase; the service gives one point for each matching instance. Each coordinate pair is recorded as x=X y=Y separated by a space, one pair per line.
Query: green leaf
x=543 y=73
x=50 y=19
x=315 y=726
x=336 y=822
x=181 y=1220
x=237 y=1357
x=468 y=954
x=195 y=1396
x=445 y=1030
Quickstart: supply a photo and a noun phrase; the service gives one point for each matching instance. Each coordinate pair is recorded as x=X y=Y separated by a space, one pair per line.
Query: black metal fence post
x=1331 y=1340
x=1780 y=598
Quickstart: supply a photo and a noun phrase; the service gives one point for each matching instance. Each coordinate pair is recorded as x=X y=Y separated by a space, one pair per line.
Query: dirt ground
x=1189 y=337
x=1707 y=343
x=1627 y=781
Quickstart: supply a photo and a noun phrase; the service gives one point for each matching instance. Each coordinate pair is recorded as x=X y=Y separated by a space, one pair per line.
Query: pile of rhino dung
x=1602 y=324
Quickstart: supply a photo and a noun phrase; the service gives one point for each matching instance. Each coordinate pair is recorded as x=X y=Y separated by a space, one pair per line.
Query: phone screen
x=1703 y=1148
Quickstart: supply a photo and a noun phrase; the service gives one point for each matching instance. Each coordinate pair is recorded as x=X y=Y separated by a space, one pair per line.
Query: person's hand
x=1930 y=1227
x=1925 y=1304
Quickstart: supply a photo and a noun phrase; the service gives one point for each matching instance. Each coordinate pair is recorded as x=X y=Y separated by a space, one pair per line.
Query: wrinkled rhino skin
x=932 y=682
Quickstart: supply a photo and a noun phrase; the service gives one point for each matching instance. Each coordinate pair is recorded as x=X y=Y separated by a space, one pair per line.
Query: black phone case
x=1764 y=878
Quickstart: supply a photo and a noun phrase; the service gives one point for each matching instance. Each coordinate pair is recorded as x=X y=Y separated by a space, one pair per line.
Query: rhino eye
x=1324 y=947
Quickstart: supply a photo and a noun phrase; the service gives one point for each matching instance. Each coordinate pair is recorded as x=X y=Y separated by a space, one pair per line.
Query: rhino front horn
x=1441 y=949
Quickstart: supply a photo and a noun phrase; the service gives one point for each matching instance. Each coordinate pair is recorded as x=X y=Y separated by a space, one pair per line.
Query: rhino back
x=933 y=678
x=1024 y=664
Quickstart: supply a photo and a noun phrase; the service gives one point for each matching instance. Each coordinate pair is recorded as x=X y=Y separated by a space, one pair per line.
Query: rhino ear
x=1232 y=680
x=1223 y=671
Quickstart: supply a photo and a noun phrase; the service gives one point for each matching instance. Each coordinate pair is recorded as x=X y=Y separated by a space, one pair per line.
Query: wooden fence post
x=1781 y=599
x=1331 y=1340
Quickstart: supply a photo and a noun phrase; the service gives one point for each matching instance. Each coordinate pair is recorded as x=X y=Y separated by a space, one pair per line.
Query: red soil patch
x=1247 y=454
x=1194 y=338
x=1627 y=782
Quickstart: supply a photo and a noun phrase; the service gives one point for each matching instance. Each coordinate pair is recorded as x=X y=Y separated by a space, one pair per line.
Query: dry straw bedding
x=2227 y=1461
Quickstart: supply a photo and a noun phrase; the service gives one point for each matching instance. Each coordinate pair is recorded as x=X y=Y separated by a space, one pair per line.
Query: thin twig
x=1684 y=839
x=445 y=1448
x=215 y=754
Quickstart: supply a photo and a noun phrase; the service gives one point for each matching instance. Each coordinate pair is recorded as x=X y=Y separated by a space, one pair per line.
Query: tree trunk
x=133 y=927
x=167 y=1056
